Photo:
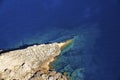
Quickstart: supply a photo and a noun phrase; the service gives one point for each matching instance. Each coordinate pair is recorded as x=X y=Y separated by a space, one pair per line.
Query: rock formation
x=31 y=63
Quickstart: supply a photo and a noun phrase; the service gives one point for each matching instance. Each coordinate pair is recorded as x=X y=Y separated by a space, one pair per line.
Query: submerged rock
x=31 y=63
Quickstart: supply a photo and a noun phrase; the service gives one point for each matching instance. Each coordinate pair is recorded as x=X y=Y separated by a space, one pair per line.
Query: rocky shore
x=32 y=63
x=51 y=75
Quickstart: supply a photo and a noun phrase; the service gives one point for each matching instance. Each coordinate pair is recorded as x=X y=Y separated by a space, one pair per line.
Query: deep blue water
x=95 y=25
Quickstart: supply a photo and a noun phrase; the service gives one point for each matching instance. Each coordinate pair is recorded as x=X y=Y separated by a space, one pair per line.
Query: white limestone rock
x=22 y=64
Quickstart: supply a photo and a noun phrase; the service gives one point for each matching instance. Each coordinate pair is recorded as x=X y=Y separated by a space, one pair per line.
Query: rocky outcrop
x=31 y=63
x=51 y=75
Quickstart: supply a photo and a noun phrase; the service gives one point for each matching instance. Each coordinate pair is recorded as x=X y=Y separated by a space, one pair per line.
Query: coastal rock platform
x=31 y=63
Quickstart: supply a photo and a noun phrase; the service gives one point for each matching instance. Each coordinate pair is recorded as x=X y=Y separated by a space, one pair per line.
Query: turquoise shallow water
x=93 y=24
x=73 y=60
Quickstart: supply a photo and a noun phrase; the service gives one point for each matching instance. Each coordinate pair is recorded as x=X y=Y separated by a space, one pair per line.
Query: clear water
x=93 y=24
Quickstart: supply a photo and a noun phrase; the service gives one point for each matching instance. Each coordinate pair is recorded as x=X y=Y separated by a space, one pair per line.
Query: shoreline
x=46 y=65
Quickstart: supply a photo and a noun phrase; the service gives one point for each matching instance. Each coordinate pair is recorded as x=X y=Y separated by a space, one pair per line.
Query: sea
x=94 y=25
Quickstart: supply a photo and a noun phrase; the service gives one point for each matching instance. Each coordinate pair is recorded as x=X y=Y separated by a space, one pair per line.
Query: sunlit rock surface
x=31 y=63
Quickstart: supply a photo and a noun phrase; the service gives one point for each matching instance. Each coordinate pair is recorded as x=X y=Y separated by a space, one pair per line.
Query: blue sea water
x=95 y=26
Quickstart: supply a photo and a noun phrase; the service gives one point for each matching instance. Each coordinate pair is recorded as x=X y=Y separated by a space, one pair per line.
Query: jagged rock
x=25 y=63
x=43 y=76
